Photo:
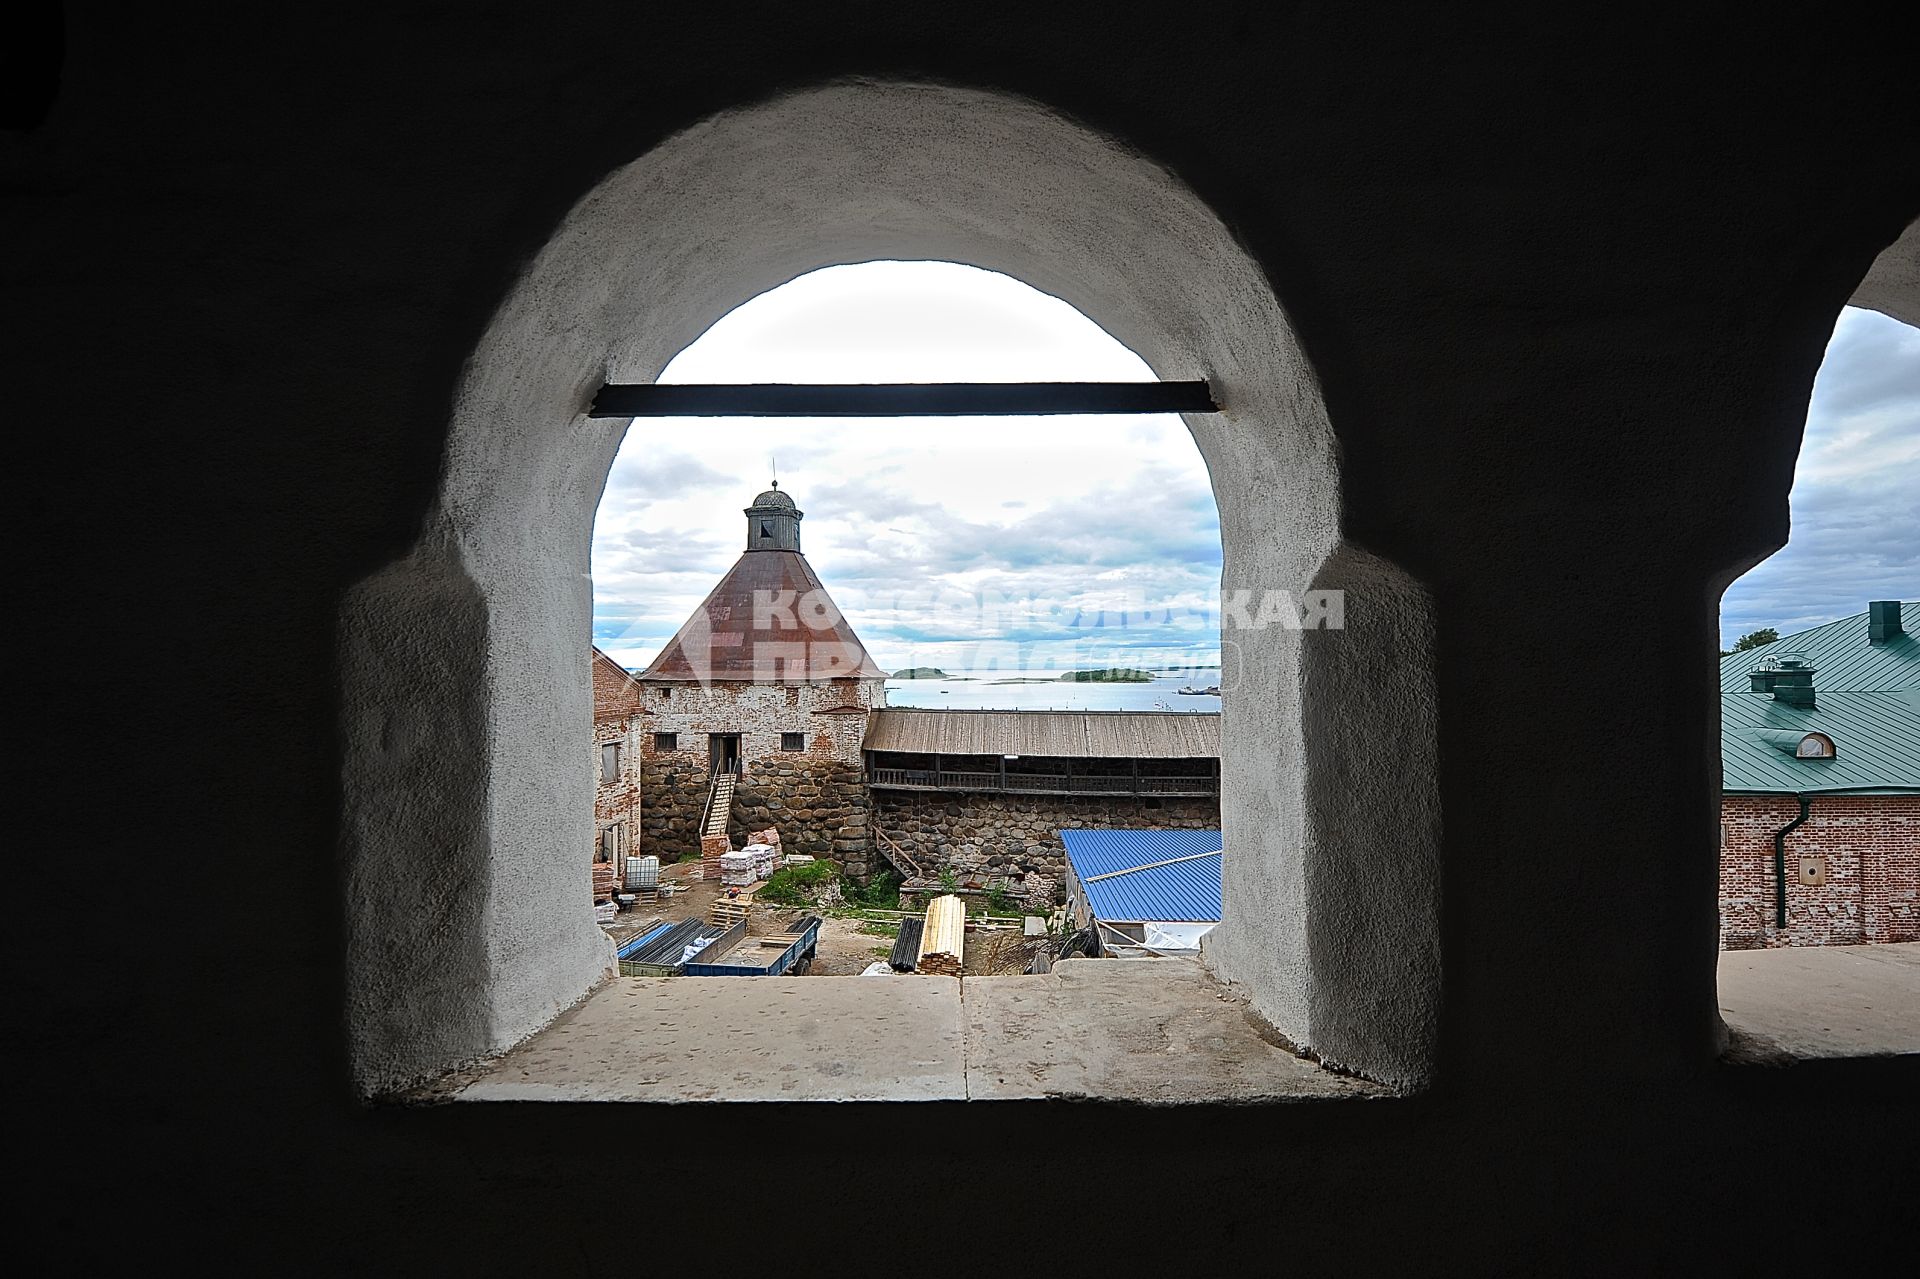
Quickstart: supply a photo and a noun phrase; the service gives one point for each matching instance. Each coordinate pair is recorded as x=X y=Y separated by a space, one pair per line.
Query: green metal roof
x=1839 y=651
x=1867 y=700
x=1876 y=739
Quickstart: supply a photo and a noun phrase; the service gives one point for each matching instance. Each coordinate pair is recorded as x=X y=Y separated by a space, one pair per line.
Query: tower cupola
x=773 y=522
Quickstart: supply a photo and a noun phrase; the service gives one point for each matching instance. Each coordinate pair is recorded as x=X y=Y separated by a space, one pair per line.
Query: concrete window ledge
x=1154 y=1031
x=1820 y=1003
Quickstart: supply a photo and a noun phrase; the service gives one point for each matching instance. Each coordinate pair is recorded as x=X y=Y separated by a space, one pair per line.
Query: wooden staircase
x=908 y=868
x=719 y=806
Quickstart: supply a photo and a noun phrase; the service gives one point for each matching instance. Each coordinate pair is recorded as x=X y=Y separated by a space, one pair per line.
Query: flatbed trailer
x=797 y=954
x=658 y=953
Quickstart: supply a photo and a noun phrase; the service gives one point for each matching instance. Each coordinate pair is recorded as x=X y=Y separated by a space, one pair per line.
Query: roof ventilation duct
x=1793 y=681
x=1884 y=622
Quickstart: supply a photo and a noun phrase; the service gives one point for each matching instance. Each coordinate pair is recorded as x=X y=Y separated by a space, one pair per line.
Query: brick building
x=1820 y=802
x=758 y=706
x=618 y=717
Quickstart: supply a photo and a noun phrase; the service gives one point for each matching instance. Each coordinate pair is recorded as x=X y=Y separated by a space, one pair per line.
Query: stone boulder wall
x=819 y=806
x=672 y=800
x=978 y=835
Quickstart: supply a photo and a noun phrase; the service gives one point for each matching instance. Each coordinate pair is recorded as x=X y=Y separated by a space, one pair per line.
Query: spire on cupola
x=773 y=522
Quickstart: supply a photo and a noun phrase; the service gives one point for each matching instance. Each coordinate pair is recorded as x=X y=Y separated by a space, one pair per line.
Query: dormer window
x=1814 y=746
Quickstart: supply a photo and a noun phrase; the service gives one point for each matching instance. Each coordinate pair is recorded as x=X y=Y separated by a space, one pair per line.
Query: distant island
x=920 y=672
x=1112 y=675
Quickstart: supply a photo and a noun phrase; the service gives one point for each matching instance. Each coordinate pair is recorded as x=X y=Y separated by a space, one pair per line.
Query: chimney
x=1760 y=680
x=1884 y=624
x=1793 y=681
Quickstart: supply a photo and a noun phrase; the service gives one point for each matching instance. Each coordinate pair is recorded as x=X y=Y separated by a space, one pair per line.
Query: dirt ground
x=844 y=950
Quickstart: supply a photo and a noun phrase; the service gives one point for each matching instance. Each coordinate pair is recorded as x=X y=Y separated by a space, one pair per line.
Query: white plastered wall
x=465 y=665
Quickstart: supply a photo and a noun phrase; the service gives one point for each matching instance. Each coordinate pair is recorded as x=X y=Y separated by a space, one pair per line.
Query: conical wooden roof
x=769 y=621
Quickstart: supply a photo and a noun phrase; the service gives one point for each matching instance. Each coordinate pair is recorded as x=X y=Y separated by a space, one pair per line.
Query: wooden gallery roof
x=1076 y=734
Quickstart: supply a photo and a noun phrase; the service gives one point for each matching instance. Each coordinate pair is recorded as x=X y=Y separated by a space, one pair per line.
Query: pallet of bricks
x=712 y=849
x=605 y=883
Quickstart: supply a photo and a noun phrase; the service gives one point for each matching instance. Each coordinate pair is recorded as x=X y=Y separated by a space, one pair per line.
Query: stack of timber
x=944 y=939
x=906 y=947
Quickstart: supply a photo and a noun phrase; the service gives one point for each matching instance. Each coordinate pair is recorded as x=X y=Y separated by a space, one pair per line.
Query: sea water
x=990 y=690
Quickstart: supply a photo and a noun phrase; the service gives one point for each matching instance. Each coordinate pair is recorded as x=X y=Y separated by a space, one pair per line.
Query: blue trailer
x=795 y=957
x=661 y=952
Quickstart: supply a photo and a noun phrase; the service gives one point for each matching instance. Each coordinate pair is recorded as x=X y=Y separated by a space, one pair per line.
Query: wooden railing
x=1039 y=783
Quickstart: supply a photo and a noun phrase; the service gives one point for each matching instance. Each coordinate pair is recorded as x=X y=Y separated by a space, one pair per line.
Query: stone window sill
x=1151 y=1031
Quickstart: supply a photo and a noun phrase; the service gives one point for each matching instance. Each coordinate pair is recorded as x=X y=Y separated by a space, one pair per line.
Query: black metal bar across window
x=902 y=399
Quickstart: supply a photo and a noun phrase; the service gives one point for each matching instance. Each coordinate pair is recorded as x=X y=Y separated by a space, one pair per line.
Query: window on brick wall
x=793 y=741
x=666 y=741
x=609 y=761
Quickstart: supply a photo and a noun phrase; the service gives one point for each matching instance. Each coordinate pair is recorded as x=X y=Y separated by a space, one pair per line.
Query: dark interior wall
x=1566 y=284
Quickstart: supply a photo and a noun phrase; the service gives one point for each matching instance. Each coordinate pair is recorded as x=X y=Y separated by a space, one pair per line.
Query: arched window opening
x=1821 y=649
x=467 y=931
x=983 y=575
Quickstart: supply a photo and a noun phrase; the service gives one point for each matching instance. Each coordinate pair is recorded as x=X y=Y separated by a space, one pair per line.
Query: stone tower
x=766 y=681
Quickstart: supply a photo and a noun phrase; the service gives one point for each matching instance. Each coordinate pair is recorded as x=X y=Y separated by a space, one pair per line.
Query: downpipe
x=1780 y=863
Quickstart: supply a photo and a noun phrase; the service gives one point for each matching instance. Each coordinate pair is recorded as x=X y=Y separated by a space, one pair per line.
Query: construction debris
x=944 y=941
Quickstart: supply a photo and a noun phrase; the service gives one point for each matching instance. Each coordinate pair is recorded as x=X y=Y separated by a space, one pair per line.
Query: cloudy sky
x=1051 y=543
x=1856 y=492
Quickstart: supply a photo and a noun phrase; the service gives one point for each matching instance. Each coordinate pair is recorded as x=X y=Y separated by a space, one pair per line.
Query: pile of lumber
x=943 y=940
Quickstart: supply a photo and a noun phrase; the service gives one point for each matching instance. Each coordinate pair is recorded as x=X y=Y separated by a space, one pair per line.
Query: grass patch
x=799 y=885
x=881 y=893
x=874 y=928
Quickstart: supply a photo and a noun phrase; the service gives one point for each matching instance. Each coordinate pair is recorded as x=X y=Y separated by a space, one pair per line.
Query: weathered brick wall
x=617 y=718
x=831 y=715
x=977 y=835
x=617 y=799
x=1872 y=892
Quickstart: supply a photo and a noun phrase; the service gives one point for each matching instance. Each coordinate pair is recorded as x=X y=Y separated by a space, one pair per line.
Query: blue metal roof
x=1185 y=892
